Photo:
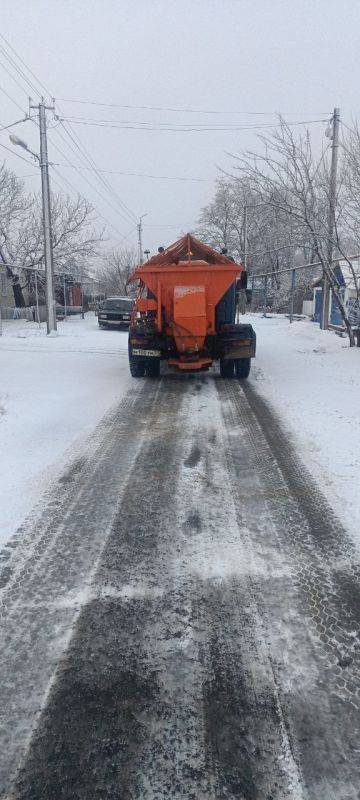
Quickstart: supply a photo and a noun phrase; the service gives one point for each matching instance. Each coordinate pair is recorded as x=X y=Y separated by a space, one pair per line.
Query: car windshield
x=117 y=305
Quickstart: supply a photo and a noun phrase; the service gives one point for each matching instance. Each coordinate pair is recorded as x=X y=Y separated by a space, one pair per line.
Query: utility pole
x=46 y=209
x=331 y=216
x=140 y=229
x=245 y=237
x=140 y=241
x=245 y=249
x=292 y=291
x=64 y=290
x=37 y=300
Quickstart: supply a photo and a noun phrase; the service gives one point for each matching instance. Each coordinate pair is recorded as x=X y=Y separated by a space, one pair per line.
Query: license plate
x=154 y=353
x=126 y=316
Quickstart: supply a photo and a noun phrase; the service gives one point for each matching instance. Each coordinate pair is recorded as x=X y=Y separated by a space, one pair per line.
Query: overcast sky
x=300 y=58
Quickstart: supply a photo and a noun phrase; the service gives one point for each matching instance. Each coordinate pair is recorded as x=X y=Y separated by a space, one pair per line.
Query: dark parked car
x=115 y=312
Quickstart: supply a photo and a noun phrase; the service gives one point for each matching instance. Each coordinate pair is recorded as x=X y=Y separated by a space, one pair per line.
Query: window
x=118 y=305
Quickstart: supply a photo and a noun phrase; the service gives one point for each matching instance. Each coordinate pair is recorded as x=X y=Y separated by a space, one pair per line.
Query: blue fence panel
x=318 y=304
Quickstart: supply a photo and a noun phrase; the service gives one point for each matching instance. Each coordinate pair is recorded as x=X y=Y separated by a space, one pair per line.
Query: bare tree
x=14 y=206
x=220 y=223
x=287 y=176
x=75 y=239
x=116 y=269
x=274 y=241
x=349 y=217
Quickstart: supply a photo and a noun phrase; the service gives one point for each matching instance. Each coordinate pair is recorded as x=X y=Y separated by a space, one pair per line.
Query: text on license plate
x=155 y=353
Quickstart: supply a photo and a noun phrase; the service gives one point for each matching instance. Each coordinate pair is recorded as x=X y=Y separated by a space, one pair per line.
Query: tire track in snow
x=156 y=698
x=195 y=669
x=318 y=691
x=46 y=578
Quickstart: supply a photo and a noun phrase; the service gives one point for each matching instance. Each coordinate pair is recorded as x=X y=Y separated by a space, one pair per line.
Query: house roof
x=350 y=275
x=346 y=275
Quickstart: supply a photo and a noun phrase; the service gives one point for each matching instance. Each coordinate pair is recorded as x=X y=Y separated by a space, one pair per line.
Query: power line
x=177 y=225
x=85 y=154
x=182 y=110
x=74 y=137
x=12 y=99
x=61 y=178
x=12 y=125
x=13 y=78
x=84 y=177
x=18 y=70
x=127 y=235
x=92 y=186
x=22 y=75
x=178 y=129
x=352 y=130
x=142 y=174
x=72 y=188
x=180 y=125
x=16 y=154
x=25 y=65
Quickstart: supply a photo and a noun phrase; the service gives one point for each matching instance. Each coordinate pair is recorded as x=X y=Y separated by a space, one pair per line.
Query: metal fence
x=30 y=313
x=264 y=295
x=263 y=290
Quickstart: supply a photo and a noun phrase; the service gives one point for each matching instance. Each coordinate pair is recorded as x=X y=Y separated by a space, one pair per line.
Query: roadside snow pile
x=53 y=392
x=312 y=379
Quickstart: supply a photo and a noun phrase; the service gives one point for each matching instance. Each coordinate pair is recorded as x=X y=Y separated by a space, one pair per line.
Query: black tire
x=153 y=367
x=137 y=367
x=242 y=367
x=227 y=367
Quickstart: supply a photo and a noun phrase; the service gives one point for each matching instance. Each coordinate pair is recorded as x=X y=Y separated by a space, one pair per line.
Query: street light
x=20 y=143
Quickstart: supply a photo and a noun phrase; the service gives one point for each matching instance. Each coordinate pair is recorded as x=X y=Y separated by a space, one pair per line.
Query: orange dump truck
x=185 y=313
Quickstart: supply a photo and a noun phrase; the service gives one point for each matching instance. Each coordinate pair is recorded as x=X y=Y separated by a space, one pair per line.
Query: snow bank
x=53 y=391
x=312 y=379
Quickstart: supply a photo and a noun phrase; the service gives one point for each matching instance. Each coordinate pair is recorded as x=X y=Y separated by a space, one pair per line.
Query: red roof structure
x=188 y=248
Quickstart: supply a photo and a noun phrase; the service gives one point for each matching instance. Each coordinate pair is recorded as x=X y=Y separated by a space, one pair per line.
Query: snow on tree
x=75 y=239
x=115 y=269
x=286 y=189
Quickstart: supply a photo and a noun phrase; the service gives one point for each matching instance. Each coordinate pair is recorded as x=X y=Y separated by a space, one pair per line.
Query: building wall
x=347 y=293
x=6 y=292
x=75 y=295
x=308 y=308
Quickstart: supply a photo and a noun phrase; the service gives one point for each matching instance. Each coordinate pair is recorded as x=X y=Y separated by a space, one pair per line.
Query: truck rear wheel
x=153 y=367
x=226 y=367
x=136 y=365
x=242 y=367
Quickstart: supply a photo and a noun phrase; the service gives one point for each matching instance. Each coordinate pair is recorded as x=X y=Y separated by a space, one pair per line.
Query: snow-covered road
x=182 y=621
x=180 y=613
